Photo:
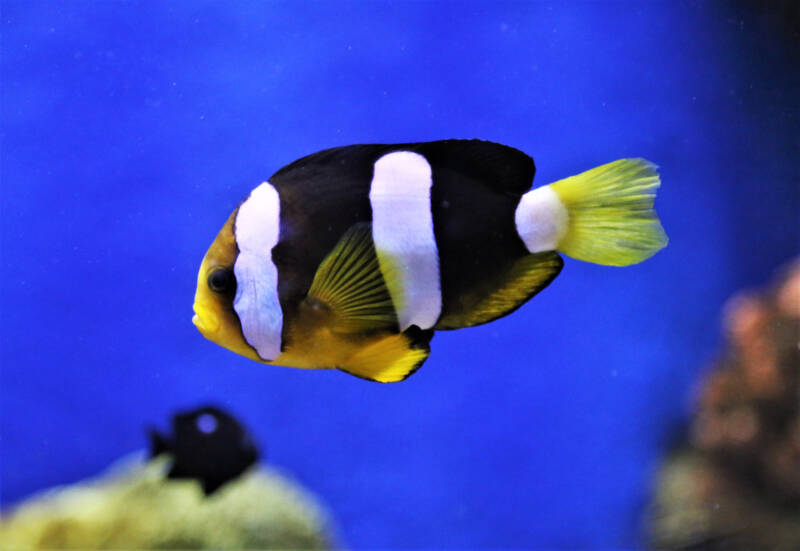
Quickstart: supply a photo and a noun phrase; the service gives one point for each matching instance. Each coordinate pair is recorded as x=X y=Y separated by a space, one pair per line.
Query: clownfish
x=352 y=257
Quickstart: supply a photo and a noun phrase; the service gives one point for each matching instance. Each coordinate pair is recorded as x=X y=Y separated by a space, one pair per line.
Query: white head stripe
x=541 y=219
x=256 y=302
x=402 y=229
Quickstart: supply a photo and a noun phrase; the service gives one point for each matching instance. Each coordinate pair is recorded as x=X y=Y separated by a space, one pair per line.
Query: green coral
x=134 y=507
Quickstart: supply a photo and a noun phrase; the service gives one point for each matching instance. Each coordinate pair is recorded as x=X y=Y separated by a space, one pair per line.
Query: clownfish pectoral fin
x=529 y=275
x=392 y=358
x=349 y=282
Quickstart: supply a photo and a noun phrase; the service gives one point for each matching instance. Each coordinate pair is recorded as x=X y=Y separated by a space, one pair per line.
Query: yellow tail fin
x=610 y=215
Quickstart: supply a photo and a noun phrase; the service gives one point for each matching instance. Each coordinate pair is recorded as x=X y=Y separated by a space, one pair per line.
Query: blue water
x=131 y=130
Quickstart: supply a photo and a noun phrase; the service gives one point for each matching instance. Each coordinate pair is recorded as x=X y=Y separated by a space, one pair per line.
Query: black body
x=476 y=188
x=206 y=444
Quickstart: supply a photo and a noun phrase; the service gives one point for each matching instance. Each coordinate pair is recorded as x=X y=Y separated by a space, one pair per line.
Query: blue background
x=131 y=130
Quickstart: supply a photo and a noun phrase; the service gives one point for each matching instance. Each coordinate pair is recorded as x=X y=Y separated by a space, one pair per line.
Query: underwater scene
x=400 y=275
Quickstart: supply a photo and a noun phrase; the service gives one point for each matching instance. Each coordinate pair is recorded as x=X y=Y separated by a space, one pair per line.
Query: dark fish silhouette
x=207 y=444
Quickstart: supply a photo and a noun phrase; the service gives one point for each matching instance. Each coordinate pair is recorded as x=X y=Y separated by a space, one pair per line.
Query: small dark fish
x=206 y=444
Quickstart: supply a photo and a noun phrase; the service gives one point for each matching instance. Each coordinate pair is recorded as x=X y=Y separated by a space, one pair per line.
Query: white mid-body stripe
x=541 y=219
x=256 y=302
x=402 y=229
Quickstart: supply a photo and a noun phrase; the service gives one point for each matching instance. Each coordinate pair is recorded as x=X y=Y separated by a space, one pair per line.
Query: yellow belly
x=321 y=348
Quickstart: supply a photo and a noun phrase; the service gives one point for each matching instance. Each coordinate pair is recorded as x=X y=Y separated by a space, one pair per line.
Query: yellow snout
x=205 y=320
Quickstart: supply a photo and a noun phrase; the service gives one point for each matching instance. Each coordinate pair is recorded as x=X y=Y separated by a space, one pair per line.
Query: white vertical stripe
x=256 y=302
x=541 y=219
x=402 y=229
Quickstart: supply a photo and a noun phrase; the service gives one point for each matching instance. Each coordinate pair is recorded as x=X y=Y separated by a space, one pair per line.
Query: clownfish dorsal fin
x=392 y=358
x=505 y=169
x=528 y=275
x=349 y=282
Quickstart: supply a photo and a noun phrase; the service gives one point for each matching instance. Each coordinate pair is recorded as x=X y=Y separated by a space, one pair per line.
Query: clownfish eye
x=222 y=280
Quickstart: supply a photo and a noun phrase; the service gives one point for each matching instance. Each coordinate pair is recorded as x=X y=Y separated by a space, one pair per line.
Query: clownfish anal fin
x=527 y=276
x=392 y=358
x=349 y=283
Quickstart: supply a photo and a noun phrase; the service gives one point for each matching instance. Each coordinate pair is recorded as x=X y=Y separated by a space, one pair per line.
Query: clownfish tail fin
x=604 y=215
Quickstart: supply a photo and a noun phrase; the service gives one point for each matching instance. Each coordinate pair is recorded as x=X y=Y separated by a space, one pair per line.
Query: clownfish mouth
x=205 y=320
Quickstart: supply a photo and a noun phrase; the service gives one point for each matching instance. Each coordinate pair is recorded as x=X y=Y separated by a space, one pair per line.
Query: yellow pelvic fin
x=392 y=358
x=610 y=213
x=349 y=282
x=528 y=275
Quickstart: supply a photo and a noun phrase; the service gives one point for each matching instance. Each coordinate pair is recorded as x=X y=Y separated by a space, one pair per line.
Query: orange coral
x=737 y=481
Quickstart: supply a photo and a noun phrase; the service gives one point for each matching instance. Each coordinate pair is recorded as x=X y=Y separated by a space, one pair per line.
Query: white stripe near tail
x=604 y=215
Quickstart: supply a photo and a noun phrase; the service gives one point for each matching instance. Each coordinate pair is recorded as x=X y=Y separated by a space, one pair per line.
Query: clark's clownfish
x=352 y=257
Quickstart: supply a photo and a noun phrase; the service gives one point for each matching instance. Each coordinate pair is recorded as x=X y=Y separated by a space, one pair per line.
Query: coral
x=134 y=506
x=735 y=482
